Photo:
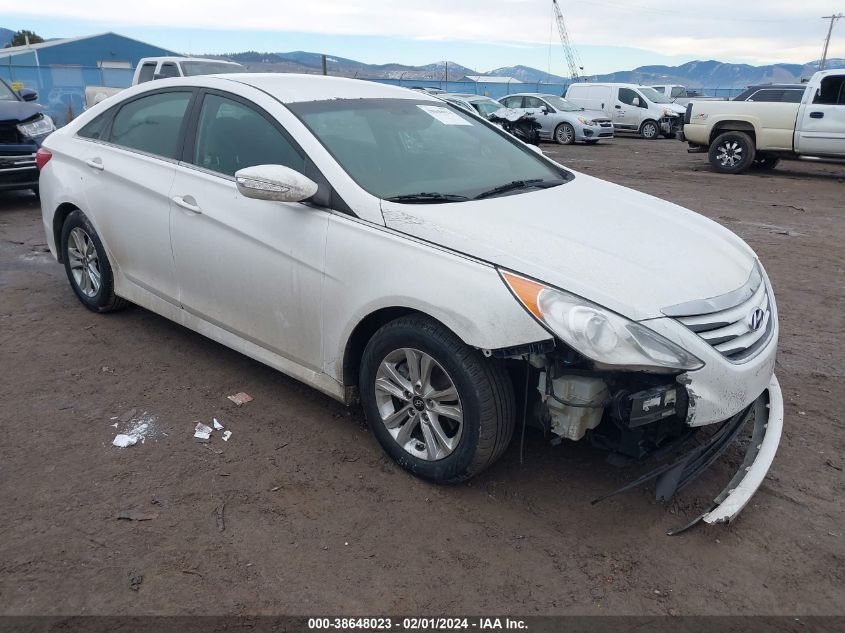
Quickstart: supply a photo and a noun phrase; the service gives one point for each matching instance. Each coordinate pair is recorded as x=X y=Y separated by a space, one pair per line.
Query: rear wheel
x=732 y=152
x=565 y=134
x=87 y=265
x=438 y=407
x=649 y=130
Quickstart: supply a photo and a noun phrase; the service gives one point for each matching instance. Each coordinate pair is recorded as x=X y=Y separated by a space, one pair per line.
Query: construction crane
x=572 y=59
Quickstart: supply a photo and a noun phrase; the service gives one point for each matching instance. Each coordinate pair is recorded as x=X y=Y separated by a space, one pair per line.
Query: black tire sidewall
x=455 y=465
x=104 y=295
x=748 y=150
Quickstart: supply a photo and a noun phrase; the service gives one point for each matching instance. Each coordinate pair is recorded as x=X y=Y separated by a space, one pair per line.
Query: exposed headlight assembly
x=585 y=121
x=603 y=336
x=38 y=127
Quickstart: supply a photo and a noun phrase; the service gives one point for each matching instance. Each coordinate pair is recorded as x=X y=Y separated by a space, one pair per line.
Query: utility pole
x=833 y=20
x=323 y=64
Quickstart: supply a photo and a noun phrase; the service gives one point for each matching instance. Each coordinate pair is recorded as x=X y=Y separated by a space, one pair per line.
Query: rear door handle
x=188 y=203
x=816 y=115
x=95 y=163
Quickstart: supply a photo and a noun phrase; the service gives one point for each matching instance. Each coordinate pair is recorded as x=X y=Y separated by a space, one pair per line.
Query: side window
x=512 y=102
x=792 y=96
x=231 y=136
x=147 y=72
x=151 y=124
x=168 y=70
x=626 y=96
x=768 y=95
x=832 y=91
x=678 y=91
x=94 y=129
x=660 y=89
x=532 y=102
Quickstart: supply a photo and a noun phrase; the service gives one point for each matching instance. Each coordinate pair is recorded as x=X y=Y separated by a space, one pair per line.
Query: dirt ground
x=301 y=513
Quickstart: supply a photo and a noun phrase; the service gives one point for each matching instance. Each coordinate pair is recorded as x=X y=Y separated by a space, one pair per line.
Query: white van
x=632 y=108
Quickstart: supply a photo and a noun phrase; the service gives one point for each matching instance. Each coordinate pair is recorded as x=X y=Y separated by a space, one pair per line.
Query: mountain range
x=696 y=74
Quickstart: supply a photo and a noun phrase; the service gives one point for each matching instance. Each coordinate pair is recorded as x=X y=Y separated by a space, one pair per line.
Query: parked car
x=485 y=106
x=152 y=68
x=561 y=121
x=23 y=126
x=632 y=108
x=683 y=95
x=776 y=93
x=739 y=135
x=382 y=245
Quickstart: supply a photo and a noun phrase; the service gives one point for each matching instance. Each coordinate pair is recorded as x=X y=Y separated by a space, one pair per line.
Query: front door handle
x=188 y=203
x=618 y=107
x=95 y=163
x=816 y=115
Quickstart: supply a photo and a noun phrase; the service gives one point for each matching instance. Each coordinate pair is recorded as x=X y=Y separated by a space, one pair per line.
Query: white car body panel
x=605 y=98
x=556 y=241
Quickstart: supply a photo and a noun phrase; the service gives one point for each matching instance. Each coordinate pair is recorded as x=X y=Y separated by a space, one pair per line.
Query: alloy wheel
x=84 y=262
x=419 y=404
x=729 y=153
x=565 y=134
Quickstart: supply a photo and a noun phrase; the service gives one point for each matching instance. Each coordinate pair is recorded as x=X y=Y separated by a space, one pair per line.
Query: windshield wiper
x=427 y=197
x=518 y=184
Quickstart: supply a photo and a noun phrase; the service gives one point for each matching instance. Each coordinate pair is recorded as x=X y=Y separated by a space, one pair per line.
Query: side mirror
x=636 y=101
x=27 y=94
x=546 y=110
x=274 y=182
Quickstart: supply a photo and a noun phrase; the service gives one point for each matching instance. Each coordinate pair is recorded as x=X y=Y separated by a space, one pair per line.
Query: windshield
x=559 y=103
x=6 y=93
x=486 y=108
x=190 y=69
x=652 y=95
x=403 y=147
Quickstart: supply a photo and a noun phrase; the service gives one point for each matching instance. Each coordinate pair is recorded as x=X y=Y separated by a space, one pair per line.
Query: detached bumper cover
x=767 y=413
x=761 y=453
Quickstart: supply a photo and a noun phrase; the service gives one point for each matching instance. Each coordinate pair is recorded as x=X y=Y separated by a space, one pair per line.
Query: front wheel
x=565 y=134
x=649 y=130
x=438 y=407
x=732 y=152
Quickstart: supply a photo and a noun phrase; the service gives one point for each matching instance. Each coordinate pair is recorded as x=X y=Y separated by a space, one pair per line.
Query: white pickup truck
x=740 y=134
x=150 y=68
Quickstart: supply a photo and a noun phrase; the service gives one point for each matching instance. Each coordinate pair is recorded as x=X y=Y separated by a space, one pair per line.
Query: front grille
x=737 y=324
x=9 y=134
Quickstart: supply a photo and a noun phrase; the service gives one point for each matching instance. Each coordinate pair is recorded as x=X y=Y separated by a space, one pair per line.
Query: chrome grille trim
x=724 y=321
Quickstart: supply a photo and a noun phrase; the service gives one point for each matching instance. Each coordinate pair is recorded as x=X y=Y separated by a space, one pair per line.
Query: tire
x=564 y=134
x=732 y=153
x=765 y=161
x=83 y=254
x=649 y=130
x=484 y=401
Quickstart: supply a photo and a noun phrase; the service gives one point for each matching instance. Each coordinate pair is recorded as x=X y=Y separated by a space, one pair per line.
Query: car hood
x=625 y=250
x=18 y=111
x=675 y=107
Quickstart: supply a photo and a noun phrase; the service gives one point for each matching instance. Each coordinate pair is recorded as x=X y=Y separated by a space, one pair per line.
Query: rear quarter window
x=152 y=123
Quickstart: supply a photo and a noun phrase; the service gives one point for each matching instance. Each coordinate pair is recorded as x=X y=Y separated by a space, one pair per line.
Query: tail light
x=42 y=157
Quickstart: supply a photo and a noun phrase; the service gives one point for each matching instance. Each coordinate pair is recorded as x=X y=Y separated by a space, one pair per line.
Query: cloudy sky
x=483 y=34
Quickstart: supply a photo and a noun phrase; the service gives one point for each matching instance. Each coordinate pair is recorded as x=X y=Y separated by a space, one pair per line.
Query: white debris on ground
x=217 y=425
x=240 y=398
x=202 y=432
x=138 y=428
x=226 y=435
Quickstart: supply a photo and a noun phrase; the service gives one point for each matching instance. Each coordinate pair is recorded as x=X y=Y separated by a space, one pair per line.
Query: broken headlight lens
x=38 y=127
x=599 y=334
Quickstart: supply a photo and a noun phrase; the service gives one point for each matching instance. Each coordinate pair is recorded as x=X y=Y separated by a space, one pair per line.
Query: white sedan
x=382 y=245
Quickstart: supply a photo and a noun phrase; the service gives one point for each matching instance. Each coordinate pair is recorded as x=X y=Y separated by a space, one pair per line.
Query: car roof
x=775 y=86
x=293 y=88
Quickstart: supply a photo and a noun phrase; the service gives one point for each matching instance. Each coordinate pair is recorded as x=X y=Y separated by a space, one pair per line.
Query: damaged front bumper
x=766 y=412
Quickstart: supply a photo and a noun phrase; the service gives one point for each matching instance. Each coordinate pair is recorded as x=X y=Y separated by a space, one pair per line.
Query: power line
x=639 y=8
